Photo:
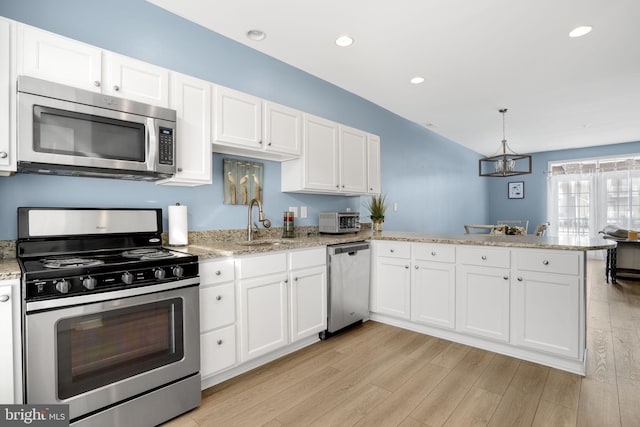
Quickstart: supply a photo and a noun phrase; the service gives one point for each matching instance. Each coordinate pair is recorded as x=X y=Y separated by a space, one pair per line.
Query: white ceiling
x=476 y=56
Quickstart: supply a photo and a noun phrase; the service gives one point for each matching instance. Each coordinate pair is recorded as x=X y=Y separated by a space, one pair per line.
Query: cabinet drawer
x=308 y=258
x=212 y=272
x=262 y=265
x=566 y=262
x=393 y=249
x=217 y=306
x=217 y=350
x=433 y=252
x=483 y=256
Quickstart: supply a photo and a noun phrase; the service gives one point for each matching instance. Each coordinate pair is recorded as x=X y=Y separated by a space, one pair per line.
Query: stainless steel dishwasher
x=348 y=275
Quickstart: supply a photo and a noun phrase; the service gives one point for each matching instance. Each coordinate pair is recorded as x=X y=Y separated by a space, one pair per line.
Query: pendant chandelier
x=508 y=163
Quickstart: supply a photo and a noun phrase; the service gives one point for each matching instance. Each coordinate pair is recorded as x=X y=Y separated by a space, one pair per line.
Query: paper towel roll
x=178 y=227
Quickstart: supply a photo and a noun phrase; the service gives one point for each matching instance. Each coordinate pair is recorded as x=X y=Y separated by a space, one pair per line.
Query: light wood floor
x=381 y=375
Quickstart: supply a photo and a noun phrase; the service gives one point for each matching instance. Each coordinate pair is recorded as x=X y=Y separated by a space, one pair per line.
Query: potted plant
x=377 y=209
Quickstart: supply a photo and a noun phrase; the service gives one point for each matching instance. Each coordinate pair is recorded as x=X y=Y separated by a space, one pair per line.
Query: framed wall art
x=242 y=181
x=516 y=190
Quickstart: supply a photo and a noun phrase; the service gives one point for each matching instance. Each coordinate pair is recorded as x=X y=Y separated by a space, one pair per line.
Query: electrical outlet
x=303 y=211
x=395 y=207
x=294 y=209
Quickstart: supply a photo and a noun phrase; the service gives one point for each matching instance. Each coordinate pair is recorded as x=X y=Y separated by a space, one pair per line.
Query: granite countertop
x=225 y=243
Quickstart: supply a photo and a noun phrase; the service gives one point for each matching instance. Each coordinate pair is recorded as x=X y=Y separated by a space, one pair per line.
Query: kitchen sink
x=258 y=243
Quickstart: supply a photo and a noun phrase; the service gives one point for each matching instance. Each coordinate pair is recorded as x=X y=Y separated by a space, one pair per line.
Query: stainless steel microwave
x=338 y=222
x=68 y=131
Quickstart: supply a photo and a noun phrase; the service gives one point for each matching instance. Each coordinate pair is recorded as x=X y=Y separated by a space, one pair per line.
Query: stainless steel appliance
x=348 y=285
x=68 y=131
x=338 y=222
x=110 y=317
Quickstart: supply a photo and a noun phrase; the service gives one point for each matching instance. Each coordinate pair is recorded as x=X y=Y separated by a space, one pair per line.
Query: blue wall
x=534 y=205
x=433 y=180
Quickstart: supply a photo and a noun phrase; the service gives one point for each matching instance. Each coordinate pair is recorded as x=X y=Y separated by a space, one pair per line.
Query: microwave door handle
x=152 y=143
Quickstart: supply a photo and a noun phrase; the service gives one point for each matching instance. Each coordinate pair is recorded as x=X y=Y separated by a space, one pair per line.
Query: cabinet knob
x=219 y=297
x=342 y=185
x=505 y=277
x=392 y=250
x=484 y=257
x=545 y=262
x=286 y=280
x=3 y=155
x=416 y=267
x=96 y=83
x=4 y=298
x=370 y=188
x=179 y=169
x=337 y=186
x=433 y=253
x=218 y=272
x=406 y=266
x=269 y=144
x=116 y=88
x=219 y=342
x=295 y=279
x=519 y=279
x=259 y=142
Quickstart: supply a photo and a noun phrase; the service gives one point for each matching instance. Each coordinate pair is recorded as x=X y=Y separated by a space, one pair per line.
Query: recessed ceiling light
x=580 y=31
x=256 y=35
x=417 y=80
x=344 y=41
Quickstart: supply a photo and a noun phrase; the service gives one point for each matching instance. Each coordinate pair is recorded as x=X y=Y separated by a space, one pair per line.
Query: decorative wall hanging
x=242 y=181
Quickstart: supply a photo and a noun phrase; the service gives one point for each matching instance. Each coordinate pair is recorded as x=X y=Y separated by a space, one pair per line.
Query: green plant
x=377 y=207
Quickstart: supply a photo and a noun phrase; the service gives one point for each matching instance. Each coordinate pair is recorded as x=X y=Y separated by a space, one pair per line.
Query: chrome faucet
x=261 y=218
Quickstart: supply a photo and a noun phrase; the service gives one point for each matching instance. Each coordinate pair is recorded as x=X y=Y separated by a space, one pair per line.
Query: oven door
x=94 y=355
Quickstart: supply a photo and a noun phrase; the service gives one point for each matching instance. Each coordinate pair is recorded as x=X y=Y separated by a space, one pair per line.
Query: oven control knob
x=177 y=271
x=89 y=283
x=127 y=278
x=63 y=286
x=159 y=273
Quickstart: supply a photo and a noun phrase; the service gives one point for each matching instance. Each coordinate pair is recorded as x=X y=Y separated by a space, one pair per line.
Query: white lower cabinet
x=10 y=344
x=433 y=285
x=217 y=317
x=308 y=292
x=392 y=291
x=546 y=304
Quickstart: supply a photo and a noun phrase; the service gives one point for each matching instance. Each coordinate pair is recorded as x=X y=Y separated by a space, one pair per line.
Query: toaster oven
x=338 y=222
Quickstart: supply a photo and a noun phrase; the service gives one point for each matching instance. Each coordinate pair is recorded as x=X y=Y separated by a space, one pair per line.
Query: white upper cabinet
x=320 y=154
x=132 y=79
x=191 y=98
x=282 y=129
x=238 y=119
x=353 y=160
x=52 y=57
x=7 y=100
x=373 y=164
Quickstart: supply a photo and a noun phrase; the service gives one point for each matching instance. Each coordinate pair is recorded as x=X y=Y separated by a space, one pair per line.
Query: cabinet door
x=308 y=302
x=217 y=306
x=483 y=301
x=433 y=293
x=353 y=160
x=6 y=346
x=392 y=293
x=217 y=350
x=264 y=315
x=546 y=312
x=191 y=98
x=238 y=118
x=320 y=140
x=282 y=129
x=51 y=57
x=7 y=148
x=373 y=164
x=136 y=80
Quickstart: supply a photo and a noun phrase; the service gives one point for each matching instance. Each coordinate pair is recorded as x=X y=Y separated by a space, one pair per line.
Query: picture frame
x=516 y=190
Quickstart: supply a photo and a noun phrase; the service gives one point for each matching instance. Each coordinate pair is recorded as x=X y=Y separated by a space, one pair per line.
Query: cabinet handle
x=337 y=186
x=505 y=277
x=286 y=280
x=416 y=267
x=4 y=298
x=259 y=142
x=219 y=342
x=269 y=144
x=342 y=185
x=96 y=83
x=3 y=155
x=392 y=250
x=406 y=266
x=179 y=169
x=433 y=254
x=545 y=262
x=370 y=188
x=219 y=297
x=484 y=257
x=295 y=279
x=519 y=279
x=218 y=272
x=116 y=88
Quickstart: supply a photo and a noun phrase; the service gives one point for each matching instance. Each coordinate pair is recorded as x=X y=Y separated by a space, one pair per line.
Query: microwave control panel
x=165 y=146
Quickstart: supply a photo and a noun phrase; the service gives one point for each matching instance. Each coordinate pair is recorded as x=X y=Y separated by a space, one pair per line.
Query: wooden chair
x=515 y=223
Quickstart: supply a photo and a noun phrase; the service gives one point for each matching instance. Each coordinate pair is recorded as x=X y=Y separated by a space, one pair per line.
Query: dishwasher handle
x=350 y=249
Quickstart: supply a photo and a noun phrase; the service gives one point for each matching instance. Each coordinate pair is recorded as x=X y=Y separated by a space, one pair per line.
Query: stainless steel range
x=111 y=318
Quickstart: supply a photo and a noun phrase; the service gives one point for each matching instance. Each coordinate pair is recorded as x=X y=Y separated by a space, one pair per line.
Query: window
x=584 y=196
